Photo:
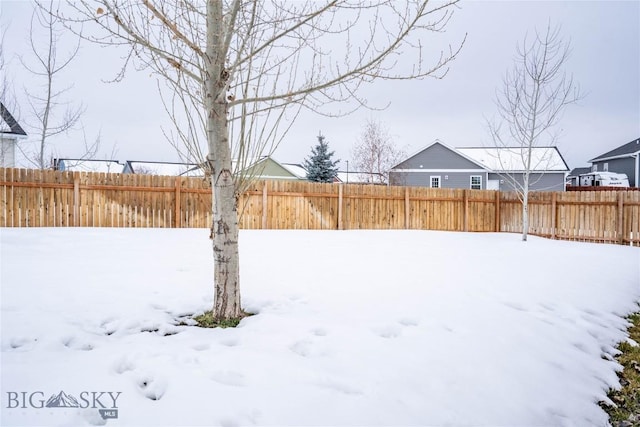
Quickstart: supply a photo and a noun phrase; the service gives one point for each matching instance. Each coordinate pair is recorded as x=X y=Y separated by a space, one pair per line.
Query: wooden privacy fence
x=34 y=198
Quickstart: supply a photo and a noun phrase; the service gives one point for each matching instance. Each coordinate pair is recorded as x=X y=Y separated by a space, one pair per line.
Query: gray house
x=479 y=168
x=10 y=133
x=624 y=159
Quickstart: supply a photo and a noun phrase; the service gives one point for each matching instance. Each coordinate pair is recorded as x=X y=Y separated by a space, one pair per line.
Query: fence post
x=264 y=205
x=621 y=217
x=76 y=198
x=340 y=225
x=177 y=219
x=407 y=212
x=497 y=226
x=554 y=215
x=465 y=197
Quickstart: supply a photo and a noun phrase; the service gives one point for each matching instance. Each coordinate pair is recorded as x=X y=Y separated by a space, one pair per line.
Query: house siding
x=448 y=179
x=434 y=157
x=626 y=166
x=269 y=169
x=7 y=152
x=550 y=181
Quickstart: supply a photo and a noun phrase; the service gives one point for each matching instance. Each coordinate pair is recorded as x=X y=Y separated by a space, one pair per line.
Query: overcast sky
x=605 y=61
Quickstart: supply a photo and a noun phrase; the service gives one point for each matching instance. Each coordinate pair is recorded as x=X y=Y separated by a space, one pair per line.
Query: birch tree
x=375 y=153
x=534 y=94
x=241 y=70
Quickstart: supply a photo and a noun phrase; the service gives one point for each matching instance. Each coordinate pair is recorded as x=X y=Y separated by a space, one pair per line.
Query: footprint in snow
x=229 y=342
x=515 y=306
x=74 y=344
x=151 y=387
x=231 y=378
x=409 y=321
x=92 y=417
x=388 y=331
x=341 y=387
x=123 y=365
x=21 y=344
x=108 y=326
x=201 y=347
x=319 y=332
x=302 y=348
x=580 y=346
x=228 y=422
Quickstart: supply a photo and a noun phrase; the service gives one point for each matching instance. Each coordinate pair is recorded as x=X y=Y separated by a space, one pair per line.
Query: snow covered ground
x=353 y=328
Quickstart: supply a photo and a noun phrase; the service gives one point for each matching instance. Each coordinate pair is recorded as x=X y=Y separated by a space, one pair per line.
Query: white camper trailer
x=604 y=179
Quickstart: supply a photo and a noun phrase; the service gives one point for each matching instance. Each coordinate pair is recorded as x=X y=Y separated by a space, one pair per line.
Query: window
x=594 y=168
x=605 y=167
x=435 y=182
x=476 y=182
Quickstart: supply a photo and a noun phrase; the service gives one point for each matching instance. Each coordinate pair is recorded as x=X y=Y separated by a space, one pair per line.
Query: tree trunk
x=225 y=213
x=525 y=213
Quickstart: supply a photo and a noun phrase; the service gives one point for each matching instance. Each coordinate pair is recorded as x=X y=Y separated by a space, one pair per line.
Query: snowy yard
x=353 y=328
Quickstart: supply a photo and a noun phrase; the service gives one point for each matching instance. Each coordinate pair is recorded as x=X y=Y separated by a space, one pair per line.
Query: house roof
x=82 y=165
x=579 y=171
x=437 y=141
x=165 y=168
x=296 y=169
x=627 y=150
x=8 y=124
x=509 y=159
x=269 y=168
x=360 y=177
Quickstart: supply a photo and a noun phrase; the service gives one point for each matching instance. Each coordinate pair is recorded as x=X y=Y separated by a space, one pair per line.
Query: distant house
x=353 y=177
x=162 y=168
x=268 y=168
x=478 y=168
x=84 y=165
x=263 y=168
x=624 y=159
x=10 y=133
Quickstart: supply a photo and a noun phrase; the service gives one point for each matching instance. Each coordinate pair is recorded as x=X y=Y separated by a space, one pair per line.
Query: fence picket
x=31 y=198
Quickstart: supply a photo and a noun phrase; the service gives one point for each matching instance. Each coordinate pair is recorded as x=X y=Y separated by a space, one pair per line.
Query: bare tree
x=530 y=104
x=375 y=152
x=7 y=96
x=50 y=113
x=8 y=108
x=241 y=70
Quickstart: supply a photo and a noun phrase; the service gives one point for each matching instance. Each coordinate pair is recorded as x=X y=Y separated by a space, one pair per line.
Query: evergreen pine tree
x=319 y=166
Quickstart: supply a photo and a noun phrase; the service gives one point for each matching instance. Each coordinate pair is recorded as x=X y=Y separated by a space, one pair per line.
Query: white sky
x=605 y=37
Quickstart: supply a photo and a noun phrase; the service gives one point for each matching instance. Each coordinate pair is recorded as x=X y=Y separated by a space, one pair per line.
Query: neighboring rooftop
x=82 y=165
x=510 y=159
x=163 y=168
x=579 y=171
x=361 y=177
x=296 y=169
x=625 y=150
x=8 y=124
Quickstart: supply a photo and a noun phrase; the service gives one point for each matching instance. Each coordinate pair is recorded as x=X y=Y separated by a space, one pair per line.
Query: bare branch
x=47 y=121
